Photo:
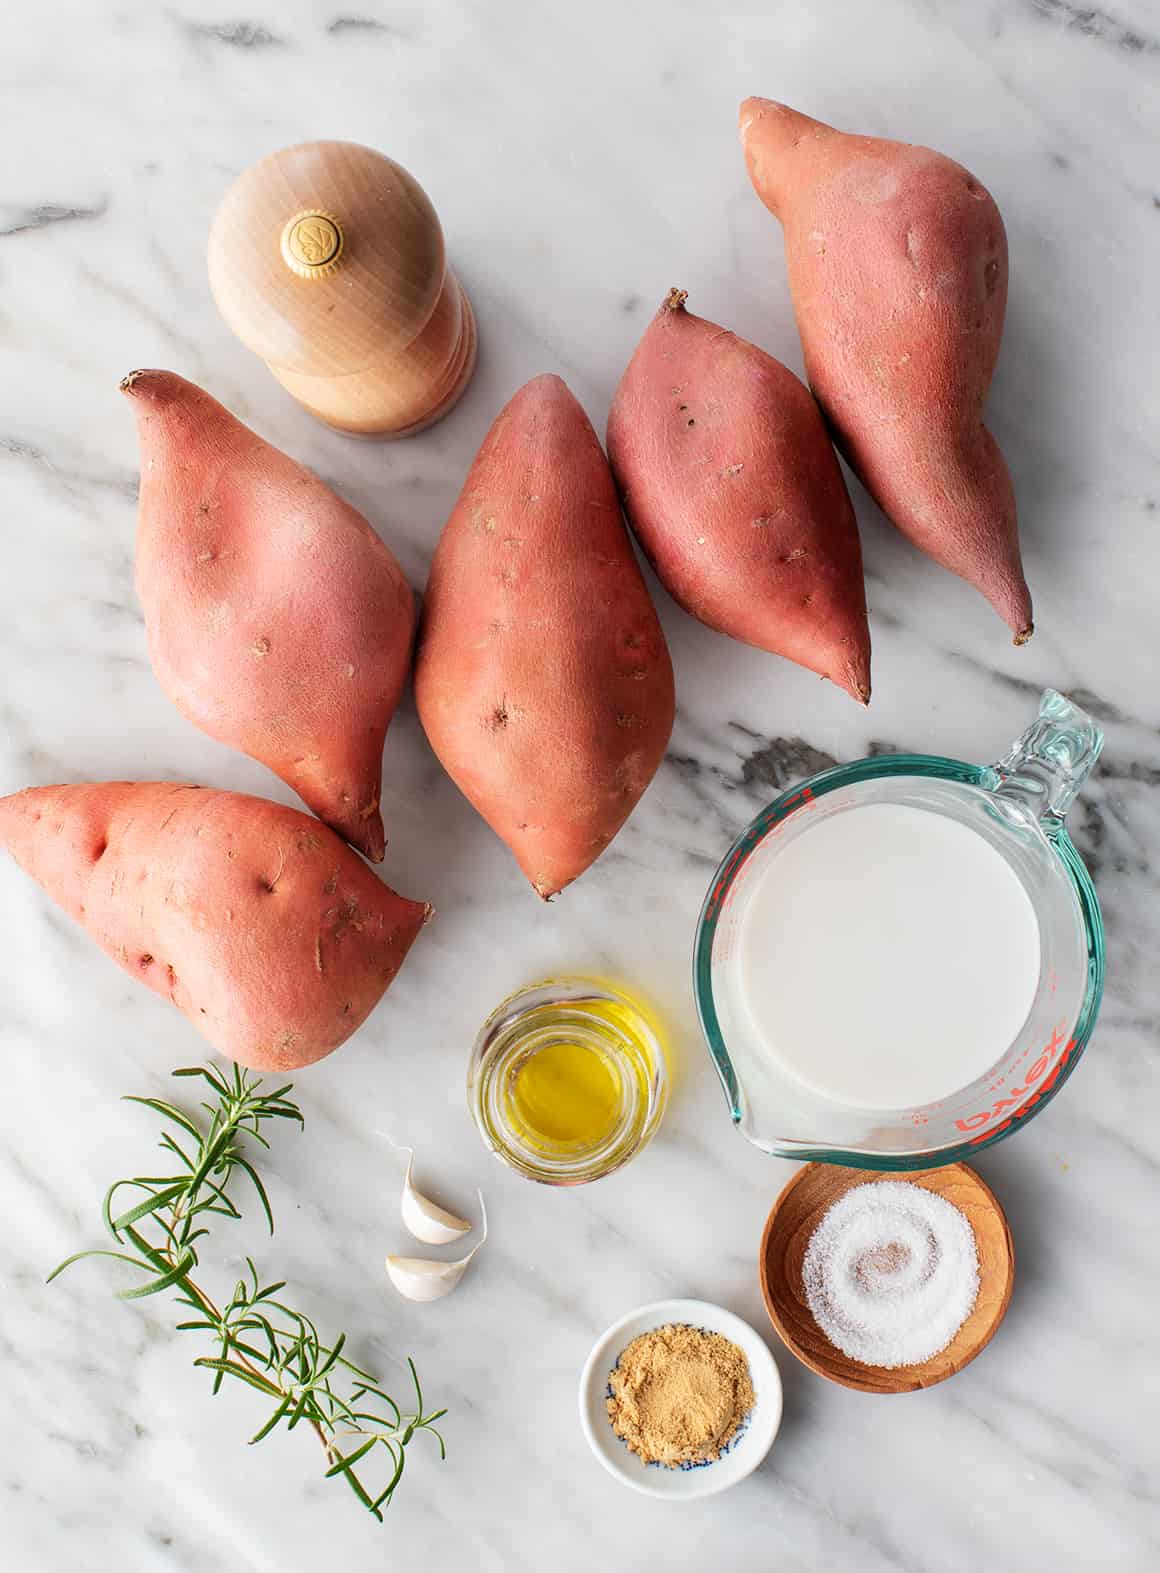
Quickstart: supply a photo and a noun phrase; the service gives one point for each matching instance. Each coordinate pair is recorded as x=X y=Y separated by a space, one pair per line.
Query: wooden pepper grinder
x=327 y=261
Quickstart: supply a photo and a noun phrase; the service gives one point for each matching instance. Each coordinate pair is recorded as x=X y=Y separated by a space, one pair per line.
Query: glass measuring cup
x=1019 y=806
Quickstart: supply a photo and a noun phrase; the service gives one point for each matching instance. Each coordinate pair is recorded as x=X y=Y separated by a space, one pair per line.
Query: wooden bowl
x=797 y=1213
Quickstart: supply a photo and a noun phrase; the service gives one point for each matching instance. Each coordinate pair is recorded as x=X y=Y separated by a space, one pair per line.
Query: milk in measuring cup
x=888 y=956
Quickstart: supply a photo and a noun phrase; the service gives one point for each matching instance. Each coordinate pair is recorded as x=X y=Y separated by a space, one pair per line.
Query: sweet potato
x=898 y=268
x=731 y=486
x=278 y=621
x=543 y=679
x=255 y=920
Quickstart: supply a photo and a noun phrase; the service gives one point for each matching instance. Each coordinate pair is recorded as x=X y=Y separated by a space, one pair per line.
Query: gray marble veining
x=583 y=160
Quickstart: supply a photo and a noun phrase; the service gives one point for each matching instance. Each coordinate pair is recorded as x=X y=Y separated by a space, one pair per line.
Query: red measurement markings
x=803 y=798
x=1038 y=1079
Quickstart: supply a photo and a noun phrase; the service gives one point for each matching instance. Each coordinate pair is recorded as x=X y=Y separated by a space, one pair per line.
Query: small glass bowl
x=576 y=1011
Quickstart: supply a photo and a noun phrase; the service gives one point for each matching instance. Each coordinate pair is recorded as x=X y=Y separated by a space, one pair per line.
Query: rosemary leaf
x=272 y=1422
x=289 y=1361
x=150 y=1205
x=344 y=1465
x=80 y=1256
x=169 y=1111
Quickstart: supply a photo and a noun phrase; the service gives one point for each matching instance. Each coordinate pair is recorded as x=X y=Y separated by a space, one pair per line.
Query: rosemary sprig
x=260 y=1340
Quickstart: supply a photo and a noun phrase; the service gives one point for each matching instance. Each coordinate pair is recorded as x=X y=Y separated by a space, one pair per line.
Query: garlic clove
x=425 y=1219
x=420 y=1278
x=416 y=1278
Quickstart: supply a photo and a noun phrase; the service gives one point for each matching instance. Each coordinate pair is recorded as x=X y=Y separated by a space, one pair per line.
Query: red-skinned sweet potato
x=897 y=263
x=278 y=621
x=255 y=920
x=734 y=492
x=543 y=680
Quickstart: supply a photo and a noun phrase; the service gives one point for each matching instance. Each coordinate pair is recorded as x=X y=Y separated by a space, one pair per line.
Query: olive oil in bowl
x=567 y=1080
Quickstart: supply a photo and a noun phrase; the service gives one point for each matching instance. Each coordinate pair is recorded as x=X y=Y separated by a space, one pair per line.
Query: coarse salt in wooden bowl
x=799 y=1210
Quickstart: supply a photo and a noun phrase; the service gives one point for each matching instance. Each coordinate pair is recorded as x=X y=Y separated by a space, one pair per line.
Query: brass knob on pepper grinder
x=327 y=261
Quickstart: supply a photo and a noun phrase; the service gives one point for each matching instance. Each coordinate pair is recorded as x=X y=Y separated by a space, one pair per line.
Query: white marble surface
x=583 y=159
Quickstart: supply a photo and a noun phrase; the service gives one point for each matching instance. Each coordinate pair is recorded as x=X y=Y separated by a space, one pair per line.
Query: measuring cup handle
x=1051 y=761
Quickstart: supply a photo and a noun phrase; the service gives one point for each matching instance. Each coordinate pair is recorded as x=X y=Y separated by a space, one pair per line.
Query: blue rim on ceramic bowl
x=748 y=1448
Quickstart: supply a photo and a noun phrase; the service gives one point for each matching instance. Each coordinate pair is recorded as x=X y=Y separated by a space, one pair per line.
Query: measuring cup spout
x=1047 y=766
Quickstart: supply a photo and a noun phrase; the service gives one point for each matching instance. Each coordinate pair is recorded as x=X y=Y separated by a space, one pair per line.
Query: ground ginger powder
x=679 y=1394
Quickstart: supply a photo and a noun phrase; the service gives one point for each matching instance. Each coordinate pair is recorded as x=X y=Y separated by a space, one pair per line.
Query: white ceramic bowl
x=743 y=1455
